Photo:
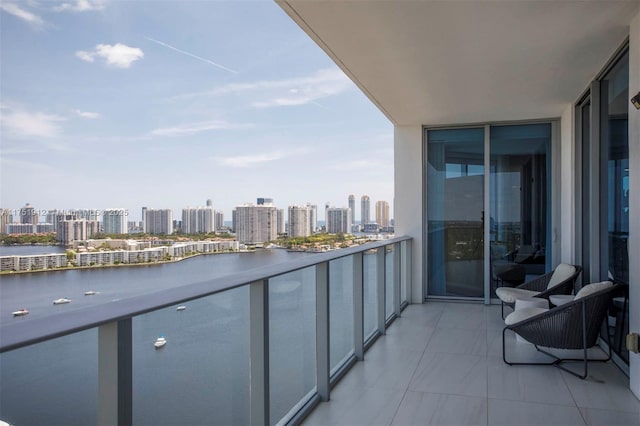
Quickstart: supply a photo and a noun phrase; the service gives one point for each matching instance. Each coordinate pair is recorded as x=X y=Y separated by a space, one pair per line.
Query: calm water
x=200 y=377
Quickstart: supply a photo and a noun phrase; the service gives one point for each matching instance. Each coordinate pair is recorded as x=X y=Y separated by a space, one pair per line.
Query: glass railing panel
x=53 y=382
x=388 y=280
x=370 y=293
x=340 y=310
x=201 y=375
x=292 y=340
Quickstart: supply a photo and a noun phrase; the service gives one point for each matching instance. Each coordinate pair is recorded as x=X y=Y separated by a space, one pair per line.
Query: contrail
x=192 y=55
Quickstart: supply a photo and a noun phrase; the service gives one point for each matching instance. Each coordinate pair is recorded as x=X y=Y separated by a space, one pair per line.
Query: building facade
x=352 y=206
x=198 y=220
x=382 y=213
x=365 y=210
x=158 y=221
x=256 y=224
x=299 y=221
x=114 y=221
x=338 y=220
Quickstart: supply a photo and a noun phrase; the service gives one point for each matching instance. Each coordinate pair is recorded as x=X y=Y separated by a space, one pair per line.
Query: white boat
x=160 y=342
x=181 y=308
x=61 y=301
x=20 y=312
x=90 y=293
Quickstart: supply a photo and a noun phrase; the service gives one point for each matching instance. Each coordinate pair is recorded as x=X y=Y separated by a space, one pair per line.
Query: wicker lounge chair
x=573 y=325
x=560 y=281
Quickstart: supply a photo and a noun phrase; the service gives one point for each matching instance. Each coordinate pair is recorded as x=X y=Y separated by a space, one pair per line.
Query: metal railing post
x=115 y=369
x=397 y=293
x=323 y=367
x=380 y=279
x=358 y=306
x=259 y=353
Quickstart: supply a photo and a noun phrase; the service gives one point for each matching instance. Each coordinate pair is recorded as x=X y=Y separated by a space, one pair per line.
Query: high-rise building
x=352 y=206
x=281 y=222
x=365 y=207
x=338 y=220
x=256 y=224
x=71 y=229
x=28 y=215
x=218 y=222
x=299 y=221
x=21 y=228
x=144 y=222
x=114 y=221
x=5 y=219
x=198 y=220
x=382 y=213
x=313 y=218
x=158 y=221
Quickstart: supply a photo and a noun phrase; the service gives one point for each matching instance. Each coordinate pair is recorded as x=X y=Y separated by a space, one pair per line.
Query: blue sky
x=124 y=104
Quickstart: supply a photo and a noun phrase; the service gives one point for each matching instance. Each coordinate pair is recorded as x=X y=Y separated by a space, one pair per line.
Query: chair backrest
x=562 y=272
x=592 y=288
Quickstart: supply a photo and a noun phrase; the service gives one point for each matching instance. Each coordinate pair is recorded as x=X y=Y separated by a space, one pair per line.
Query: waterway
x=202 y=375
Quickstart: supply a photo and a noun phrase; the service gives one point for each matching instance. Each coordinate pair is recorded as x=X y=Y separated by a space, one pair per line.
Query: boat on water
x=20 y=312
x=90 y=292
x=160 y=342
x=61 y=301
x=181 y=308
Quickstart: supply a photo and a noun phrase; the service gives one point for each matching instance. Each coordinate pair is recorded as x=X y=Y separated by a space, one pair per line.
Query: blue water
x=200 y=377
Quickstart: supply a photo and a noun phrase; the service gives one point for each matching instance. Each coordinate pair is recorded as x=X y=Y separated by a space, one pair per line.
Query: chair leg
x=504 y=354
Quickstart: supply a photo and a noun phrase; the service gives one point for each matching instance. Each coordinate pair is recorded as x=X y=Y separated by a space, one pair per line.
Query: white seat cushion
x=592 y=288
x=510 y=294
x=522 y=314
x=561 y=273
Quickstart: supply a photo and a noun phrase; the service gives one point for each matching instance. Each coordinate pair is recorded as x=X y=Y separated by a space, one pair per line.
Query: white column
x=408 y=208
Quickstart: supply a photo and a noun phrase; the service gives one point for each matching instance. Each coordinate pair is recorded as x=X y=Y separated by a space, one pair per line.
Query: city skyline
x=41 y=213
x=129 y=104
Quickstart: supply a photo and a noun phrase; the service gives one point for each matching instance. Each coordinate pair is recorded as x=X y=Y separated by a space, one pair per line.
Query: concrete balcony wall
x=408 y=203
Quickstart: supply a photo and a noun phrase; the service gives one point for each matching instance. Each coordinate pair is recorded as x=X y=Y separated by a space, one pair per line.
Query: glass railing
x=260 y=347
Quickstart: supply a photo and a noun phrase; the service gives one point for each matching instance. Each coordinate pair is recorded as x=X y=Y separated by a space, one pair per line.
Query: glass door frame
x=554 y=208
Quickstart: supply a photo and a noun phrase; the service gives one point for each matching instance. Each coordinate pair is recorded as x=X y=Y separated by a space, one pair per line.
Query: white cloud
x=82 y=6
x=248 y=160
x=117 y=55
x=22 y=123
x=287 y=92
x=87 y=114
x=85 y=56
x=23 y=14
x=202 y=126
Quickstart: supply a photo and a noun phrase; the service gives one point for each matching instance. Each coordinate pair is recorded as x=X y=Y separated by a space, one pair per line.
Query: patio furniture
x=573 y=325
x=560 y=281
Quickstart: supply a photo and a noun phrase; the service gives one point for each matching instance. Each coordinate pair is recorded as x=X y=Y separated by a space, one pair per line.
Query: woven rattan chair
x=574 y=325
x=542 y=286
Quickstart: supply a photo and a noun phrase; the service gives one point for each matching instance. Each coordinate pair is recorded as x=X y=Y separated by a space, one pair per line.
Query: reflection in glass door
x=485 y=231
x=455 y=228
x=519 y=199
x=614 y=195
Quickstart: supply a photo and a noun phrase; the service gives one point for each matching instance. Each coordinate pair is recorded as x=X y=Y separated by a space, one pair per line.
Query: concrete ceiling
x=446 y=62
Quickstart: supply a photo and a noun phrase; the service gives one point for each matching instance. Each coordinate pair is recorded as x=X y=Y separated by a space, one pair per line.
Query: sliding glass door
x=455 y=206
x=520 y=200
x=470 y=253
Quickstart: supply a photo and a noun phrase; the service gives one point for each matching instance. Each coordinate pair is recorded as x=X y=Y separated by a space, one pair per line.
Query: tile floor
x=441 y=364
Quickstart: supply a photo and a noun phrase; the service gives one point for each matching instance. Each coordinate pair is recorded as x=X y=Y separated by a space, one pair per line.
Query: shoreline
x=160 y=262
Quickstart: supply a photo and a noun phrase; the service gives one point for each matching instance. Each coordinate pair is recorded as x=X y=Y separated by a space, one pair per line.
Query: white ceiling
x=446 y=62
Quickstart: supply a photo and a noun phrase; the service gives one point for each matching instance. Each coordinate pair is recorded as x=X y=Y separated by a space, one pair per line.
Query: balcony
x=261 y=346
x=328 y=339
x=441 y=363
